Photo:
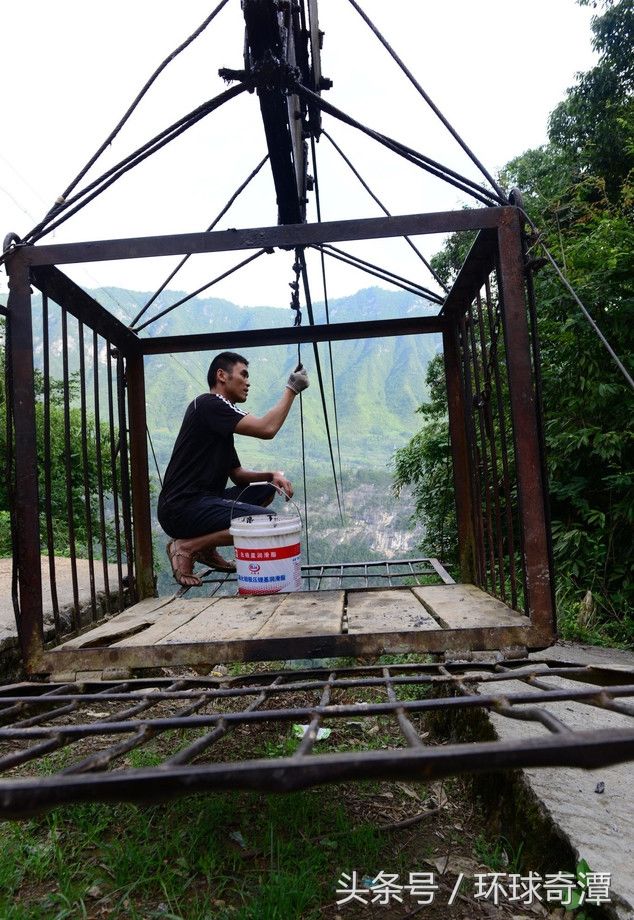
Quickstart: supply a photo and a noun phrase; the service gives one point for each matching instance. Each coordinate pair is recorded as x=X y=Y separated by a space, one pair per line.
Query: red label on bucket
x=276 y=552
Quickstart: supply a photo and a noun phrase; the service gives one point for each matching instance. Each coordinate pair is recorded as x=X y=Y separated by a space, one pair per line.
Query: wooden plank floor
x=159 y=621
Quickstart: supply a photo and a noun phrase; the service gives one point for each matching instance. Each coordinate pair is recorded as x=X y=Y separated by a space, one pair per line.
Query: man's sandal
x=179 y=574
x=214 y=560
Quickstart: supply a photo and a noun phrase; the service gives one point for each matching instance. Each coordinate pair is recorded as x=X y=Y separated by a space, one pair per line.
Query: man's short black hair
x=225 y=361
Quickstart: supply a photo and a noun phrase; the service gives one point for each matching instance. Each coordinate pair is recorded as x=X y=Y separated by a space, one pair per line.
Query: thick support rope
x=327 y=309
x=311 y=317
x=387 y=213
x=218 y=217
x=579 y=303
x=61 y=200
x=413 y=156
x=230 y=271
x=487 y=175
x=133 y=159
x=378 y=272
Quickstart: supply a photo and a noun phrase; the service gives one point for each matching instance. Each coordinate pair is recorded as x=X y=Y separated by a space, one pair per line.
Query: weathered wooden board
x=229 y=618
x=131 y=622
x=174 y=615
x=465 y=606
x=392 y=610
x=306 y=614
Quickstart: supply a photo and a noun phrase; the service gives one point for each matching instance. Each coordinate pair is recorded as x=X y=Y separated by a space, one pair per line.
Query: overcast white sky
x=496 y=68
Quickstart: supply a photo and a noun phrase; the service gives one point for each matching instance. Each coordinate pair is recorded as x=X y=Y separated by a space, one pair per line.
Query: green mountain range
x=378 y=382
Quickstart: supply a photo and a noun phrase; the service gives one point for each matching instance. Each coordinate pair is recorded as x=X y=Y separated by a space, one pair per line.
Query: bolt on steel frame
x=496 y=441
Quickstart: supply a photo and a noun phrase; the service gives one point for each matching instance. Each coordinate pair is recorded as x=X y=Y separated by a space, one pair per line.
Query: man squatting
x=195 y=506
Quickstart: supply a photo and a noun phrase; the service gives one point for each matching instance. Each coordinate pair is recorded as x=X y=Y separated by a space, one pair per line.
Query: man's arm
x=269 y=424
x=242 y=477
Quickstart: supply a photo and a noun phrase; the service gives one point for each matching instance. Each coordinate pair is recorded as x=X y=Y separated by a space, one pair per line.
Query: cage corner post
x=140 y=480
x=531 y=484
x=30 y=614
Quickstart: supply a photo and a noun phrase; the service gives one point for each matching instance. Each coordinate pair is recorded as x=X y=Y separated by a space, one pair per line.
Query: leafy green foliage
x=579 y=190
x=424 y=464
x=59 y=490
x=593 y=125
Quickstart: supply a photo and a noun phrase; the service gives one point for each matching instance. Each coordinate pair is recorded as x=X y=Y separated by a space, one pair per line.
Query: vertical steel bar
x=539 y=405
x=113 y=474
x=9 y=466
x=473 y=455
x=48 y=503
x=489 y=428
x=462 y=479
x=479 y=400
x=124 y=468
x=99 y=471
x=135 y=377
x=506 y=474
x=531 y=488
x=20 y=356
x=86 y=471
x=70 y=504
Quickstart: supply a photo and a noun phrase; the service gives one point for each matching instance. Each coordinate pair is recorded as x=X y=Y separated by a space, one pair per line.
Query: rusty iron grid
x=86 y=730
x=384 y=573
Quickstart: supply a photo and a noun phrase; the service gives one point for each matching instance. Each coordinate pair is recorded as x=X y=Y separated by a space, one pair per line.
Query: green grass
x=498 y=854
x=615 y=634
x=180 y=860
x=225 y=855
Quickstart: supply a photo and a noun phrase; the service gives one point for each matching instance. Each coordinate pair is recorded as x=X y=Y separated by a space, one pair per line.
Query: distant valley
x=379 y=384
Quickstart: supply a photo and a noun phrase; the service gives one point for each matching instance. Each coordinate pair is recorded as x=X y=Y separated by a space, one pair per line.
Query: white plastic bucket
x=268 y=553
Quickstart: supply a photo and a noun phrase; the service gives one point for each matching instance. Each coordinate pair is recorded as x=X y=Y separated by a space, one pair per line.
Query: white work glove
x=298 y=380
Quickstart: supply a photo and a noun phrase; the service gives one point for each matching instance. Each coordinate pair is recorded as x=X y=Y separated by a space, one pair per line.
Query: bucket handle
x=277 y=488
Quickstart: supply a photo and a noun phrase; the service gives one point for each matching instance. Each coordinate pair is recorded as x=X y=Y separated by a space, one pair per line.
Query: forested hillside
x=579 y=190
x=379 y=383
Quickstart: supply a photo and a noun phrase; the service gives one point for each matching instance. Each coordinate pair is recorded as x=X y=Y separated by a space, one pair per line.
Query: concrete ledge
x=562 y=814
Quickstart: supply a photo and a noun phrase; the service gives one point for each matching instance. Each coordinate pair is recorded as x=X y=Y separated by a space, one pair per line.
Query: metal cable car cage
x=504 y=595
x=154 y=738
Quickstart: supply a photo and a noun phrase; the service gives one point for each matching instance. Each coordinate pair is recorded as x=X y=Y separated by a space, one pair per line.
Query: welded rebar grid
x=83 y=732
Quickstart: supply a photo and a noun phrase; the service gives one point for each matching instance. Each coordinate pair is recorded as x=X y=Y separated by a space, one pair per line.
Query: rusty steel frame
x=498 y=246
x=40 y=719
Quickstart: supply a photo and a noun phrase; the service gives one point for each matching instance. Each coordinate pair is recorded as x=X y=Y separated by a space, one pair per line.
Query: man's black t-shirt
x=204 y=452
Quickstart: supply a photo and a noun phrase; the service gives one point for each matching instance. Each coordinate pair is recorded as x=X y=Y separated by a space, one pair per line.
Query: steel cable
x=578 y=301
x=387 y=213
x=179 y=303
x=303 y=440
x=326 y=307
x=413 y=156
x=218 y=217
x=142 y=153
x=188 y=41
x=158 y=472
x=500 y=192
x=311 y=318
x=378 y=272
